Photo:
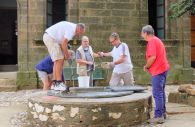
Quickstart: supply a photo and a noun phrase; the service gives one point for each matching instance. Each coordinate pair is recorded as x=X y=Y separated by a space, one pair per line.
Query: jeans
x=158 y=91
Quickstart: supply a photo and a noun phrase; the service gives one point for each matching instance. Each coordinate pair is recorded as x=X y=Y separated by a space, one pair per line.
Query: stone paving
x=13 y=110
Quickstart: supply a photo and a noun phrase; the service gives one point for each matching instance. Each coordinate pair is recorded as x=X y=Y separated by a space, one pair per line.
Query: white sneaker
x=52 y=85
x=60 y=86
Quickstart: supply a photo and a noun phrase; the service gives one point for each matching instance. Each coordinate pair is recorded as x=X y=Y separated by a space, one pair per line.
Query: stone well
x=120 y=111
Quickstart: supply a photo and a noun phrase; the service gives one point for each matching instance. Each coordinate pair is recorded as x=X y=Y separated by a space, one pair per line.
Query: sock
x=54 y=81
x=58 y=81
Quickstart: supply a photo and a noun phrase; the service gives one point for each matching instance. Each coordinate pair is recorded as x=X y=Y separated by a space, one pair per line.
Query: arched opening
x=8 y=35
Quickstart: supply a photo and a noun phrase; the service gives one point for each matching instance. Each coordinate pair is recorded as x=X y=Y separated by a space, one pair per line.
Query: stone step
x=8 y=85
x=8 y=75
x=193 y=82
x=8 y=88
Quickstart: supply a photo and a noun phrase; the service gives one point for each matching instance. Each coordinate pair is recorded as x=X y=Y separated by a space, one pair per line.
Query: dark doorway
x=193 y=40
x=8 y=35
x=156 y=14
x=56 y=11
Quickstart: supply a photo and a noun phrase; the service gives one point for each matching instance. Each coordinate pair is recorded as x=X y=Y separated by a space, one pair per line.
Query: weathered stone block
x=124 y=13
x=94 y=12
x=121 y=1
x=190 y=92
x=90 y=20
x=177 y=97
x=112 y=20
x=184 y=88
x=123 y=6
x=94 y=5
x=182 y=98
x=191 y=100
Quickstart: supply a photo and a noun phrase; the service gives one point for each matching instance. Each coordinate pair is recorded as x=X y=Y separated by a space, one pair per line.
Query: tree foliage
x=180 y=8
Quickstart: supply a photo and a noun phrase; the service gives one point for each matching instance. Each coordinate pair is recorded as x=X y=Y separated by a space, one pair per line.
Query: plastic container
x=83 y=81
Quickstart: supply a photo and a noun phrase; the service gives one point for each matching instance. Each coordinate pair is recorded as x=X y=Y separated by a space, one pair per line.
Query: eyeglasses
x=112 y=40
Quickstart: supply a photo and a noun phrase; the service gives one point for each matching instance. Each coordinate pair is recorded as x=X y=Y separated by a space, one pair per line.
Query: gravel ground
x=11 y=99
x=21 y=97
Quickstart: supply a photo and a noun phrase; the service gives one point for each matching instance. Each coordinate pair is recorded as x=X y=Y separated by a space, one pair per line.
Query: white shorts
x=43 y=75
x=53 y=47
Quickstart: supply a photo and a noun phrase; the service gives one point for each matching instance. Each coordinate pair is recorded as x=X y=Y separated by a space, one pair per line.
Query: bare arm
x=108 y=54
x=96 y=55
x=80 y=61
x=149 y=62
x=121 y=60
x=64 y=46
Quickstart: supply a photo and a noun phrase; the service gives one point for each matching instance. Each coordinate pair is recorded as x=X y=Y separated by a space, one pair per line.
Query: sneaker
x=157 y=120
x=60 y=86
x=52 y=85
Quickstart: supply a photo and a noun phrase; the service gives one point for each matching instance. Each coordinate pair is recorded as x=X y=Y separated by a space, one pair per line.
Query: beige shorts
x=119 y=79
x=53 y=47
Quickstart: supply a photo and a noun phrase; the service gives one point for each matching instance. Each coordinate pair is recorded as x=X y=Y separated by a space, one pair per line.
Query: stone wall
x=180 y=30
x=181 y=98
x=31 y=24
x=103 y=17
x=106 y=16
x=127 y=18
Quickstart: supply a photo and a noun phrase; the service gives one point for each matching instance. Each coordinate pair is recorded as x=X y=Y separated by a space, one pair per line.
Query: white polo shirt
x=62 y=30
x=126 y=66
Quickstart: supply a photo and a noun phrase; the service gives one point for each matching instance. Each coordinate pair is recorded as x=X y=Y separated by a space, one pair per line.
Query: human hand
x=111 y=65
x=101 y=54
x=145 y=69
x=66 y=57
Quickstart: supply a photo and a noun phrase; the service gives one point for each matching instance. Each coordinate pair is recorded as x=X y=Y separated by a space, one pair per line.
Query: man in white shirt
x=56 y=40
x=122 y=65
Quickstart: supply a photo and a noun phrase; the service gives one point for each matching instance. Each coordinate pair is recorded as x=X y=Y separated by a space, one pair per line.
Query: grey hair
x=148 y=29
x=84 y=37
x=81 y=25
x=115 y=35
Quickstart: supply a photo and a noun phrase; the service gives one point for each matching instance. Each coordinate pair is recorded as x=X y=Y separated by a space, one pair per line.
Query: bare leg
x=46 y=83
x=54 y=70
x=58 y=69
x=50 y=82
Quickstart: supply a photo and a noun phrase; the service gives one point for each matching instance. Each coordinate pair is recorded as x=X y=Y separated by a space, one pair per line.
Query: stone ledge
x=182 y=98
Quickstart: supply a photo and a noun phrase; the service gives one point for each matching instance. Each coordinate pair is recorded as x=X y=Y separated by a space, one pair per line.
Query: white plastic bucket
x=83 y=81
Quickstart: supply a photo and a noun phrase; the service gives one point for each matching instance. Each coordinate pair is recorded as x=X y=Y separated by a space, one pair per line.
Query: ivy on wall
x=181 y=7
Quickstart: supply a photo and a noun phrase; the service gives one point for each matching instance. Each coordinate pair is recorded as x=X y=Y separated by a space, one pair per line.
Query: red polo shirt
x=155 y=47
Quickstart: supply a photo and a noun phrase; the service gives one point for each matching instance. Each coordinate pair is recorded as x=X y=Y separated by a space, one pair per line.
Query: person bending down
x=56 y=39
x=45 y=72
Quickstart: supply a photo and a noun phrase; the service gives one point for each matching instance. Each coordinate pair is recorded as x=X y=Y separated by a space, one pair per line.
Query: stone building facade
x=103 y=17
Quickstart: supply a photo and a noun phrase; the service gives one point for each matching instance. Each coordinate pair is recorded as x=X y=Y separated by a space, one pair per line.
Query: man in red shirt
x=157 y=65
